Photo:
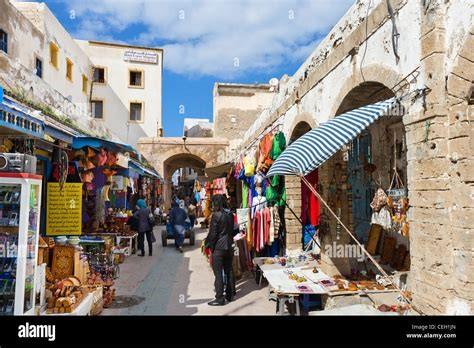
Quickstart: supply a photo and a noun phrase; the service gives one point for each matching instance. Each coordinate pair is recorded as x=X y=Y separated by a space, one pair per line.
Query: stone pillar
x=461 y=176
x=293 y=199
x=429 y=173
x=167 y=185
x=332 y=263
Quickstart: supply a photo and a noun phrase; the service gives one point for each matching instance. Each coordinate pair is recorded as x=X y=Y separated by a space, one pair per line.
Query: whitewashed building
x=108 y=89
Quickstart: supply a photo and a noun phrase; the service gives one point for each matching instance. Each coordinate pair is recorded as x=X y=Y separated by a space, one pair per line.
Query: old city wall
x=435 y=52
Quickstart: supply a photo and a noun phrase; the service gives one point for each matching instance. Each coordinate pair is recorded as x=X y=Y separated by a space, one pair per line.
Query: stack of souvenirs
x=390 y=230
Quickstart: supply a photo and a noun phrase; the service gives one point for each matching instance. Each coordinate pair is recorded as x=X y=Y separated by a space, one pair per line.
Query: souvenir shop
x=52 y=257
x=363 y=183
x=359 y=183
x=89 y=238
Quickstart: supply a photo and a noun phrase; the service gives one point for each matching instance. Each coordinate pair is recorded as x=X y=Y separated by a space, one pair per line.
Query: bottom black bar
x=205 y=331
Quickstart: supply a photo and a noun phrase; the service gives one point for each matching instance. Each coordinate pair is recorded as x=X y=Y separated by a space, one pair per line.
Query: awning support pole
x=313 y=190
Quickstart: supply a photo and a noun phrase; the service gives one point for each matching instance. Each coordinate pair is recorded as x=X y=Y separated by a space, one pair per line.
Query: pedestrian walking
x=219 y=240
x=178 y=220
x=145 y=227
x=158 y=214
x=192 y=212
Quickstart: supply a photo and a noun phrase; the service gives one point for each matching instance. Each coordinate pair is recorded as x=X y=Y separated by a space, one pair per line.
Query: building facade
x=41 y=63
x=236 y=106
x=126 y=88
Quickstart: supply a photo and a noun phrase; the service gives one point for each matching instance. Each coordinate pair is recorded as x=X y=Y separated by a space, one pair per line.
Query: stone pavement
x=171 y=283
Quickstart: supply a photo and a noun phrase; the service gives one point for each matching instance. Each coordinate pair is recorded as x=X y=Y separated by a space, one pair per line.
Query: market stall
x=298 y=280
x=316 y=147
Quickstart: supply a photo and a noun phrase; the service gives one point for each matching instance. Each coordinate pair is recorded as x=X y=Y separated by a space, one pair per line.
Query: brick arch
x=182 y=160
x=374 y=74
x=168 y=154
x=461 y=77
x=299 y=121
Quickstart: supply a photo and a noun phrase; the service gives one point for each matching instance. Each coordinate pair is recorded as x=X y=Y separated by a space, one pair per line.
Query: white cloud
x=207 y=37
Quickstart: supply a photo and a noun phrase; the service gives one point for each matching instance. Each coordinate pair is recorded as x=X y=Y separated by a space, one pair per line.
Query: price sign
x=64 y=209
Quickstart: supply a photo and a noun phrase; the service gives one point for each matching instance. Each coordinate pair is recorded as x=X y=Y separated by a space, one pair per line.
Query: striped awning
x=315 y=147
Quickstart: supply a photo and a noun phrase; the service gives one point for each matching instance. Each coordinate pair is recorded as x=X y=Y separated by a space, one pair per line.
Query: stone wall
x=435 y=52
x=236 y=107
x=441 y=189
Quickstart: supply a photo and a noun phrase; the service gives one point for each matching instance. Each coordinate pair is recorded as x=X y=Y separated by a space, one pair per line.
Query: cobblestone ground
x=171 y=283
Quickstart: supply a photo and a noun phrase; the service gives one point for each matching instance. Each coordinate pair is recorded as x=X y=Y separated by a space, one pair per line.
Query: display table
x=131 y=240
x=83 y=309
x=287 y=290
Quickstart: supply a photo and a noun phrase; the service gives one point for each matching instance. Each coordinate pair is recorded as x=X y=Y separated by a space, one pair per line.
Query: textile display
x=310 y=207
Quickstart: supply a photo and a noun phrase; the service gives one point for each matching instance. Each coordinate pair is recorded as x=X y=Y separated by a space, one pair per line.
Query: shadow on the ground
x=164 y=289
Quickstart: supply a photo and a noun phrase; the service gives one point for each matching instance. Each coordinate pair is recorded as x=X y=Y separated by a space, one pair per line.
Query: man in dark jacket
x=220 y=240
x=144 y=228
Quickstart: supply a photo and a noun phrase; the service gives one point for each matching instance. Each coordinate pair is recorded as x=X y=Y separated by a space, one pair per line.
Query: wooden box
x=63 y=261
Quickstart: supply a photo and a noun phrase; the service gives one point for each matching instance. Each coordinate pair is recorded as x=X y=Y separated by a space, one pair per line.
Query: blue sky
x=202 y=40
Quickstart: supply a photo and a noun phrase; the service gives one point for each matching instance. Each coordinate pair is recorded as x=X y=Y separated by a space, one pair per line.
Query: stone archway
x=355 y=171
x=171 y=164
x=300 y=129
x=378 y=79
x=168 y=154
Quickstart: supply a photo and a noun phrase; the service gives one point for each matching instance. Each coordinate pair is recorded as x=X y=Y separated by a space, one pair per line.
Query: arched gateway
x=168 y=154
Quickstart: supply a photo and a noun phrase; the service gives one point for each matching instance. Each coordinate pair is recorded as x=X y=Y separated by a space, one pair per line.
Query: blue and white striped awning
x=315 y=147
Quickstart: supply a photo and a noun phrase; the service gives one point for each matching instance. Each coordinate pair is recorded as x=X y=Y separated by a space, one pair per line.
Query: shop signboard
x=64 y=209
x=140 y=56
x=1 y=94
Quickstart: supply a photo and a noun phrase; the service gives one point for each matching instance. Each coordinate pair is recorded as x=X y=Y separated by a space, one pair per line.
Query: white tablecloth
x=280 y=281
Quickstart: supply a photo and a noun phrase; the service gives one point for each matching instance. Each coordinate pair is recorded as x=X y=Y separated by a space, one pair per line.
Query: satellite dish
x=273 y=82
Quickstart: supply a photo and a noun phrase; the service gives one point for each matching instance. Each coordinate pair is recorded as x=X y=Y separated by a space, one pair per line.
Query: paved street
x=173 y=283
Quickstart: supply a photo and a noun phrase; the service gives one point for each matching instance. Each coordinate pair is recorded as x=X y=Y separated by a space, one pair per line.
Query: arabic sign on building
x=64 y=209
x=140 y=56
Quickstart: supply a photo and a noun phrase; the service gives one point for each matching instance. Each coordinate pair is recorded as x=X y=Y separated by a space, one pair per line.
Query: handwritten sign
x=64 y=209
x=140 y=56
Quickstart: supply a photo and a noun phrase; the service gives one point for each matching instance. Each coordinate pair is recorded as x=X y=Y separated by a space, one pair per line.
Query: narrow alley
x=171 y=283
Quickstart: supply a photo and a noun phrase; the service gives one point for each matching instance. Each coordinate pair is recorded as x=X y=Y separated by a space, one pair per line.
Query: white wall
x=40 y=15
x=117 y=94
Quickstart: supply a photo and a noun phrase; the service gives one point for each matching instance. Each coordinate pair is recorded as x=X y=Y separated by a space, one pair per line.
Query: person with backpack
x=145 y=222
